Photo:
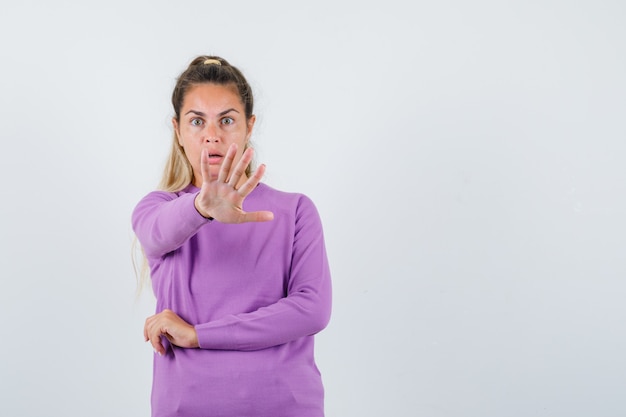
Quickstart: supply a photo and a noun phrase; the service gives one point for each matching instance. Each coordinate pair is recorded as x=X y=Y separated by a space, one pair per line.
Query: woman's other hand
x=169 y=324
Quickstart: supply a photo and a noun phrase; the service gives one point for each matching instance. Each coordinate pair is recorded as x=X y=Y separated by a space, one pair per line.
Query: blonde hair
x=177 y=173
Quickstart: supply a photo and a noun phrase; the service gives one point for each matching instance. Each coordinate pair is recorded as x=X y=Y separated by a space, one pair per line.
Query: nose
x=211 y=134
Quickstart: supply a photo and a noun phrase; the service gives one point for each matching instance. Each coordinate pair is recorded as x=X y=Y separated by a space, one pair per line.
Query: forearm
x=303 y=313
x=164 y=225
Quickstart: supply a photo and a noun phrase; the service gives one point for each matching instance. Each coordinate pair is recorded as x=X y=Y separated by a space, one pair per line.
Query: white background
x=467 y=159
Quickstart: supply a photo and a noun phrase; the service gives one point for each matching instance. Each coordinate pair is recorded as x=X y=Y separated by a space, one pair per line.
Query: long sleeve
x=304 y=311
x=164 y=221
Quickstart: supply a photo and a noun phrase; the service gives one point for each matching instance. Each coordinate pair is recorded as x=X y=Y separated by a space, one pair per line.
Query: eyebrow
x=199 y=113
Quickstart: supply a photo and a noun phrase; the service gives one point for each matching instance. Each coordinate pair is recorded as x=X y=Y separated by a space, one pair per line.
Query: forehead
x=212 y=95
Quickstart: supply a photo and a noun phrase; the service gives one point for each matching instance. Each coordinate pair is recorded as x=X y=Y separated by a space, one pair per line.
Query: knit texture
x=256 y=294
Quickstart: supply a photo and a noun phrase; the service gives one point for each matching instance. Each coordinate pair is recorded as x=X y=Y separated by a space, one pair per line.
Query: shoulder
x=293 y=207
x=283 y=198
x=158 y=199
x=160 y=195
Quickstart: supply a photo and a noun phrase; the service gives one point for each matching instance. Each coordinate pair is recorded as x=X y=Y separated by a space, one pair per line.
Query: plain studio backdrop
x=468 y=160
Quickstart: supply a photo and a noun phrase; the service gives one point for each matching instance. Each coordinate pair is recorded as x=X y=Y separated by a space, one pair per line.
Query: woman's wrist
x=199 y=209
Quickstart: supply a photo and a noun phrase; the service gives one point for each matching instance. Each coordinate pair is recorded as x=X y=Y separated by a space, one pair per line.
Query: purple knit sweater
x=256 y=294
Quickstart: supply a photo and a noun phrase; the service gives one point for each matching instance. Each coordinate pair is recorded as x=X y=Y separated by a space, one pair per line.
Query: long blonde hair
x=178 y=173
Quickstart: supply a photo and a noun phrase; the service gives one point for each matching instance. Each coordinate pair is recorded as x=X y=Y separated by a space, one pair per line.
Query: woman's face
x=212 y=117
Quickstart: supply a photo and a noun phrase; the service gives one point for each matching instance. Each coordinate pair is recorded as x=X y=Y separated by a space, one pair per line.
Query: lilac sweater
x=256 y=294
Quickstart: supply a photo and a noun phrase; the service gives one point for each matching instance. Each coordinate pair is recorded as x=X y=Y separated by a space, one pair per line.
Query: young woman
x=239 y=269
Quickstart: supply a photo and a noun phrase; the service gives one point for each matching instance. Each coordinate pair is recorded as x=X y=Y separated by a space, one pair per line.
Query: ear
x=176 y=131
x=250 y=126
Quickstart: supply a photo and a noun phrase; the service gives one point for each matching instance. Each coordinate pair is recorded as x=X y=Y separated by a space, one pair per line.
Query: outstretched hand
x=222 y=198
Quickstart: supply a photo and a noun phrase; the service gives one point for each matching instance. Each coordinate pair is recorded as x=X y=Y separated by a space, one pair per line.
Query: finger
x=224 y=173
x=155 y=341
x=147 y=327
x=245 y=189
x=153 y=335
x=257 y=216
x=205 y=165
x=253 y=181
x=240 y=168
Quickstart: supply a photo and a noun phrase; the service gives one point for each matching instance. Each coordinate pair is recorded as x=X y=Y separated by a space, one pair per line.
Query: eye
x=227 y=121
x=196 y=122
